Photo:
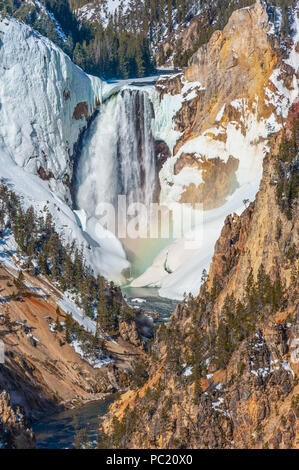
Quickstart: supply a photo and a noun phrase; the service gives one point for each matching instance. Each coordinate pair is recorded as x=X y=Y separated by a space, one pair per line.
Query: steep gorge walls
x=239 y=102
x=224 y=372
x=219 y=114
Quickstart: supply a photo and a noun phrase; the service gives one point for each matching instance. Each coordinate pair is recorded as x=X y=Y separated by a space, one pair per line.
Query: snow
x=293 y=59
x=187 y=176
x=96 y=363
x=218 y=403
x=8 y=249
x=82 y=218
x=39 y=90
x=187 y=264
x=68 y=305
x=37 y=129
x=286 y=366
x=220 y=114
x=188 y=372
x=216 y=406
x=40 y=119
x=274 y=365
x=246 y=148
x=36 y=192
x=33 y=337
x=102 y=12
x=139 y=301
x=113 y=5
x=167 y=107
x=58 y=28
x=284 y=97
x=189 y=88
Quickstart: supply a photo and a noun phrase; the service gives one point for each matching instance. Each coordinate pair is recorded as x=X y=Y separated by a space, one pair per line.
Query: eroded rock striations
x=14 y=430
x=224 y=373
x=244 y=84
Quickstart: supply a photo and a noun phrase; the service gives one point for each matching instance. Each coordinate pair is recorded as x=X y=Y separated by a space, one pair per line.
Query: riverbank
x=148 y=299
x=58 y=431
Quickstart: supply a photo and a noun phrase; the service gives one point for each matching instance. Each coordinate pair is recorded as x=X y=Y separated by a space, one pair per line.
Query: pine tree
x=197 y=390
x=69 y=326
x=19 y=283
x=81 y=439
x=58 y=326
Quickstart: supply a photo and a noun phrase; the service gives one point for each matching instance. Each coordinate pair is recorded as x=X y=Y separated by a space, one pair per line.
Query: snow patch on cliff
x=36 y=192
x=166 y=108
x=40 y=89
x=249 y=147
x=103 y=12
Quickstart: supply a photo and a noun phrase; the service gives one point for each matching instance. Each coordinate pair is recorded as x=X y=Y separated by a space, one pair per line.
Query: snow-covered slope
x=238 y=125
x=101 y=12
x=45 y=101
x=106 y=256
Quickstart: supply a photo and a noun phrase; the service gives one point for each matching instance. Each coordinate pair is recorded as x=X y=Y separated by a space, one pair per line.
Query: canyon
x=208 y=139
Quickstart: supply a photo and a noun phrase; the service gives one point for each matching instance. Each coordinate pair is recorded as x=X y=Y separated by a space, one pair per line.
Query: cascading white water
x=135 y=146
x=118 y=156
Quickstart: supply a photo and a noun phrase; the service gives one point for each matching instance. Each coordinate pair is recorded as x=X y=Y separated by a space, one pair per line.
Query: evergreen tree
x=19 y=283
x=58 y=326
x=69 y=325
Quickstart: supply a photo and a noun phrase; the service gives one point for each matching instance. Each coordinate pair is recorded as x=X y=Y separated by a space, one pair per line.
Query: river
x=148 y=298
x=58 y=431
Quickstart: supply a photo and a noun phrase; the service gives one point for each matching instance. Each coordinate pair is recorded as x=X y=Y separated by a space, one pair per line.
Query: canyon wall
x=216 y=118
x=224 y=372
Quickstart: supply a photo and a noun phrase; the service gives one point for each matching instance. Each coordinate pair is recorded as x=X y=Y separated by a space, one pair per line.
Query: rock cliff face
x=41 y=371
x=236 y=63
x=224 y=373
x=240 y=94
x=14 y=432
x=217 y=117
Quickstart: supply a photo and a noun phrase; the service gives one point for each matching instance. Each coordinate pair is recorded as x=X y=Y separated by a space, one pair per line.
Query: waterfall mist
x=118 y=158
x=118 y=155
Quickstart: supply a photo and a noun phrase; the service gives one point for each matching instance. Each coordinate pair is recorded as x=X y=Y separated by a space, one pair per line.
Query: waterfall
x=135 y=152
x=118 y=155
